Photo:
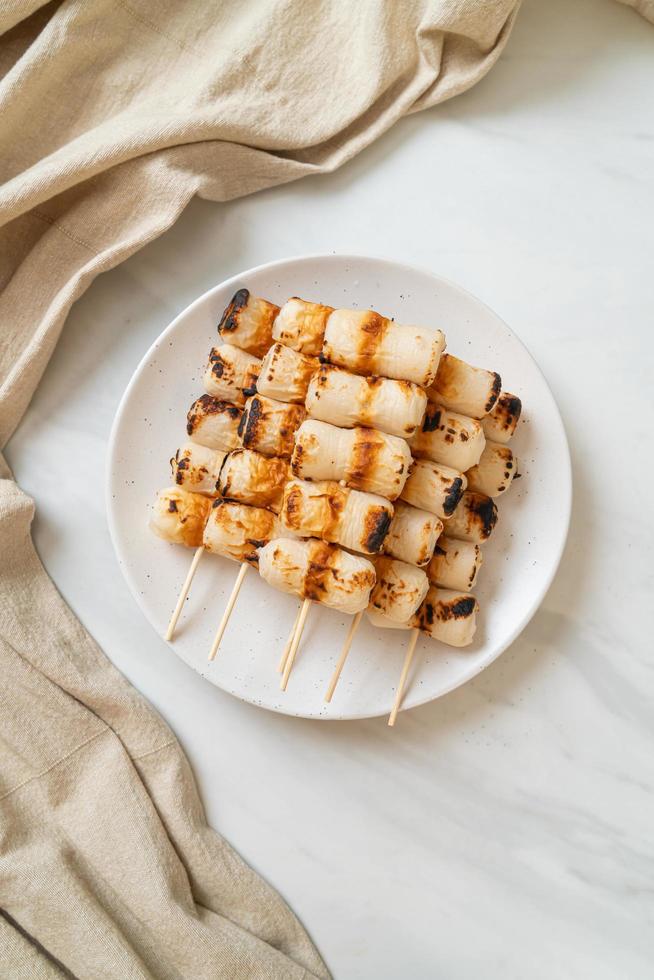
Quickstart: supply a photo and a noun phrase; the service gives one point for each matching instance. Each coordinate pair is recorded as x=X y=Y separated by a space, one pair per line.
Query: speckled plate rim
x=564 y=487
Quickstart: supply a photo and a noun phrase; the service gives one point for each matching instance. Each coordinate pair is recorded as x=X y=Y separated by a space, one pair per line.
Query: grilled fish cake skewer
x=325 y=509
x=465 y=389
x=448 y=438
x=269 y=426
x=495 y=470
x=347 y=400
x=363 y=458
x=247 y=322
x=500 y=424
x=455 y=564
x=285 y=374
x=434 y=487
x=214 y=423
x=251 y=478
x=413 y=534
x=197 y=468
x=231 y=374
x=367 y=343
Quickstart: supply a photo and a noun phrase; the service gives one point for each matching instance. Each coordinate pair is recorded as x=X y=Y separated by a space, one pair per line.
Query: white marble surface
x=505 y=831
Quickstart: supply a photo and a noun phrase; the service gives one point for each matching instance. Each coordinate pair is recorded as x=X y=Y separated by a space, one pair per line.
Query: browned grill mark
x=482 y=507
x=172 y=506
x=372 y=328
x=367 y=447
x=453 y=496
x=180 y=466
x=322 y=557
x=296 y=459
x=208 y=405
x=425 y=615
x=432 y=420
x=230 y=317
x=496 y=388
x=251 y=423
x=459 y=609
x=377 y=523
x=293 y=507
x=507 y=410
x=218 y=364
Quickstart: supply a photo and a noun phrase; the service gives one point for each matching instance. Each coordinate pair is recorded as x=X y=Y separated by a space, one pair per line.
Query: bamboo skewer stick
x=285 y=652
x=354 y=625
x=183 y=594
x=228 y=610
x=403 y=676
x=306 y=605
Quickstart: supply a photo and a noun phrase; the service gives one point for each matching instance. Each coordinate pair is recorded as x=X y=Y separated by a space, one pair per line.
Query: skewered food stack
x=402 y=451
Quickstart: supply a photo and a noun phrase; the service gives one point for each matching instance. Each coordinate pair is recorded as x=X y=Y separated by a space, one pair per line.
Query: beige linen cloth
x=113 y=114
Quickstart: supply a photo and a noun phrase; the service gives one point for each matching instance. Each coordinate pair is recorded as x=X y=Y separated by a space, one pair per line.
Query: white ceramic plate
x=520 y=558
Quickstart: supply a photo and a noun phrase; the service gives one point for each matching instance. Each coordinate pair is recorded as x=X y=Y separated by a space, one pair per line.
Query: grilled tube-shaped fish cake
x=179 y=516
x=413 y=534
x=285 y=374
x=399 y=589
x=445 y=437
x=327 y=510
x=465 y=389
x=474 y=518
x=363 y=458
x=448 y=616
x=197 y=468
x=301 y=325
x=317 y=570
x=214 y=423
x=237 y=531
x=346 y=399
x=434 y=487
x=500 y=424
x=269 y=426
x=455 y=564
x=231 y=374
x=495 y=470
x=367 y=343
x=247 y=322
x=251 y=478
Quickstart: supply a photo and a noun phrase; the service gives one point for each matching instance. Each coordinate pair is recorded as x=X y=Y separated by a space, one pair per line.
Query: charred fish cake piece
x=247 y=322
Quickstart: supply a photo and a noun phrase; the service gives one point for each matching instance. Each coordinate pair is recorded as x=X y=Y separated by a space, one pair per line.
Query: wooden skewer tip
x=228 y=610
x=170 y=632
x=403 y=676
